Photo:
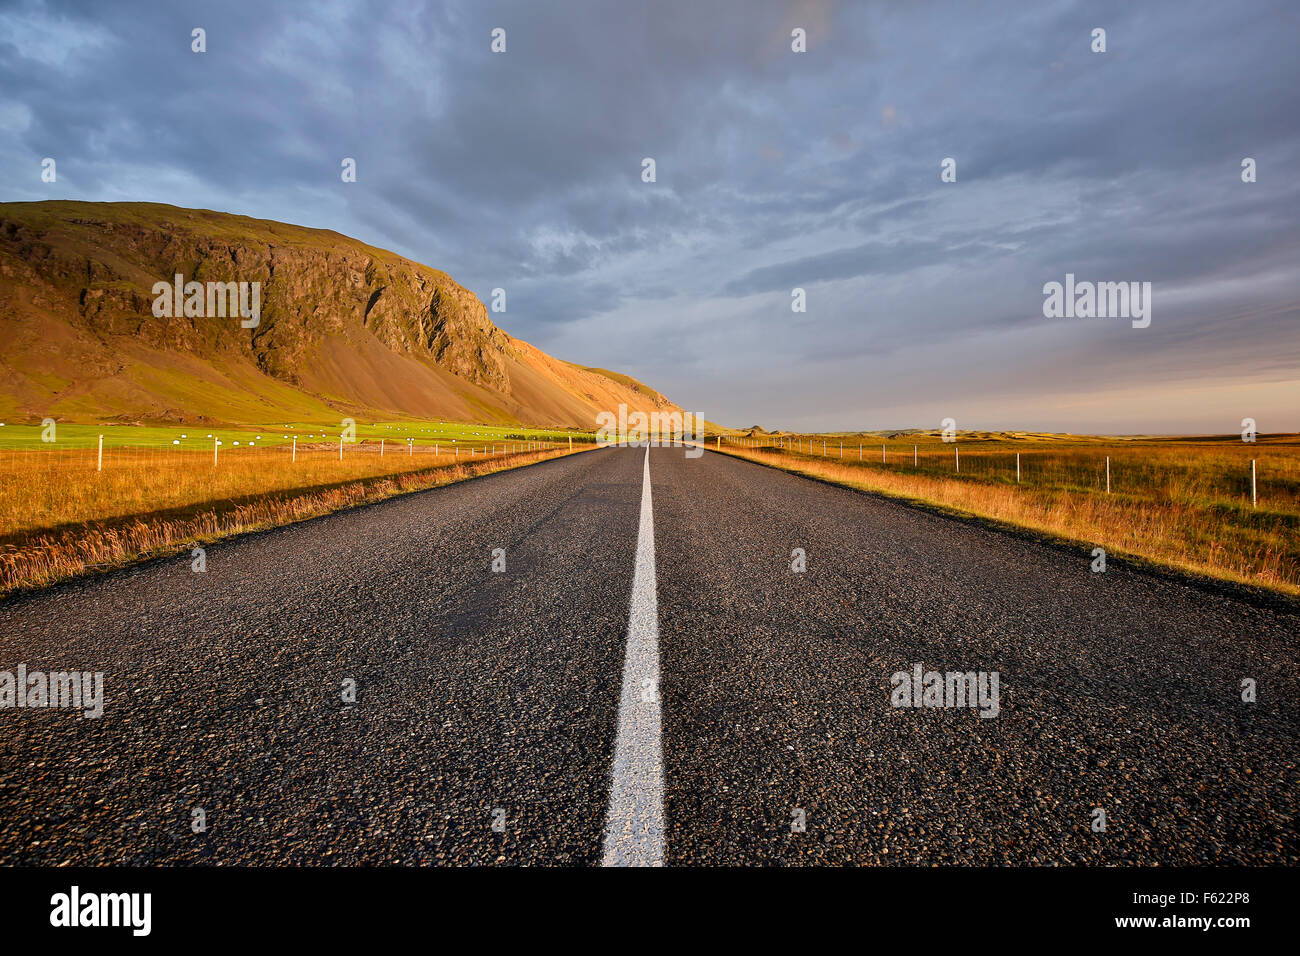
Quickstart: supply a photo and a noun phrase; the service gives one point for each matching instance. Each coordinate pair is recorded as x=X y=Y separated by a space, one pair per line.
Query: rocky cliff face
x=343 y=327
x=309 y=290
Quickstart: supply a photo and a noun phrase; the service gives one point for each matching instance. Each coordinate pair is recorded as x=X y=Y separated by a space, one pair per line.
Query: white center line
x=634 y=825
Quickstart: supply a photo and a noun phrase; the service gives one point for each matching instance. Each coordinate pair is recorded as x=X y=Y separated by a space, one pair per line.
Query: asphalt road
x=753 y=724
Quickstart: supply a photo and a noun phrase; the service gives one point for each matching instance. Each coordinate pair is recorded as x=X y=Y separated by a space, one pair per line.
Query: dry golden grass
x=1181 y=504
x=61 y=517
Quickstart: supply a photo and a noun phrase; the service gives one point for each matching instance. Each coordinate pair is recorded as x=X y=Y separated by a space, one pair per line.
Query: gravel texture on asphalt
x=476 y=691
x=1119 y=690
x=480 y=692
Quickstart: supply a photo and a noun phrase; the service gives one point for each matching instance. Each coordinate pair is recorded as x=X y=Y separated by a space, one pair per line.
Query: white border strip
x=634 y=825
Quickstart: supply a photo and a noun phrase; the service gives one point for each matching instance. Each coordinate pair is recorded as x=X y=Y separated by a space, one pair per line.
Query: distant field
x=27 y=435
x=1185 y=503
x=64 y=508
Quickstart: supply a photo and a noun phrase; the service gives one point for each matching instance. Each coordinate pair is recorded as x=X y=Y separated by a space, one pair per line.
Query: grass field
x=1183 y=503
x=200 y=437
x=65 y=508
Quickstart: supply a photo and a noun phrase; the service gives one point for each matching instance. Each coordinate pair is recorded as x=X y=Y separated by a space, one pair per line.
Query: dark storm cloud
x=775 y=170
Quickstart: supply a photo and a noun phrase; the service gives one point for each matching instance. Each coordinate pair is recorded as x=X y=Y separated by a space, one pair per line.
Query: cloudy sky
x=774 y=170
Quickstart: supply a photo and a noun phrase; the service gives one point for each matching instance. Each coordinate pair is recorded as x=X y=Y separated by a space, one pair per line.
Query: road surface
x=505 y=717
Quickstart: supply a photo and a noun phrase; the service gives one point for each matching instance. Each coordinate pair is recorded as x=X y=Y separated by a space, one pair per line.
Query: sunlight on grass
x=61 y=514
x=1184 y=504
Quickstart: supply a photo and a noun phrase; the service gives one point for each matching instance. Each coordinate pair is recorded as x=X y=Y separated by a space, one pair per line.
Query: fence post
x=1108 y=474
x=882 y=454
x=913 y=456
x=823 y=447
x=381 y=448
x=570 y=443
x=859 y=452
x=841 y=449
x=957 y=456
x=101 y=454
x=1254 y=500
x=1017 y=467
x=340 y=448
x=719 y=443
x=215 y=443
x=295 y=448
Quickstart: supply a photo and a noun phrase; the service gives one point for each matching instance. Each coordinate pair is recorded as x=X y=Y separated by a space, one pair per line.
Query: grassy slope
x=51 y=364
x=200 y=438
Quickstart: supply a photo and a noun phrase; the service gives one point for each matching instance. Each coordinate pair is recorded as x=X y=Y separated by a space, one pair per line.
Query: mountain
x=345 y=329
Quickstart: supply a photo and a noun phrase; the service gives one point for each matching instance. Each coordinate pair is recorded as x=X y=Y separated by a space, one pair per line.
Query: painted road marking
x=634 y=824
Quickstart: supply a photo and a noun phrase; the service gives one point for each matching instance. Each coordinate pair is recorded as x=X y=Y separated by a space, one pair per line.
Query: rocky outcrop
x=308 y=291
x=344 y=327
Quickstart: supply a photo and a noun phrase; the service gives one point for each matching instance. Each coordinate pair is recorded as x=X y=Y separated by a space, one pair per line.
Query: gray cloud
x=775 y=170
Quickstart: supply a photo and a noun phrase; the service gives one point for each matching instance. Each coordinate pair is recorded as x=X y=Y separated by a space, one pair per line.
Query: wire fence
x=50 y=486
x=54 y=457
x=1170 y=470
